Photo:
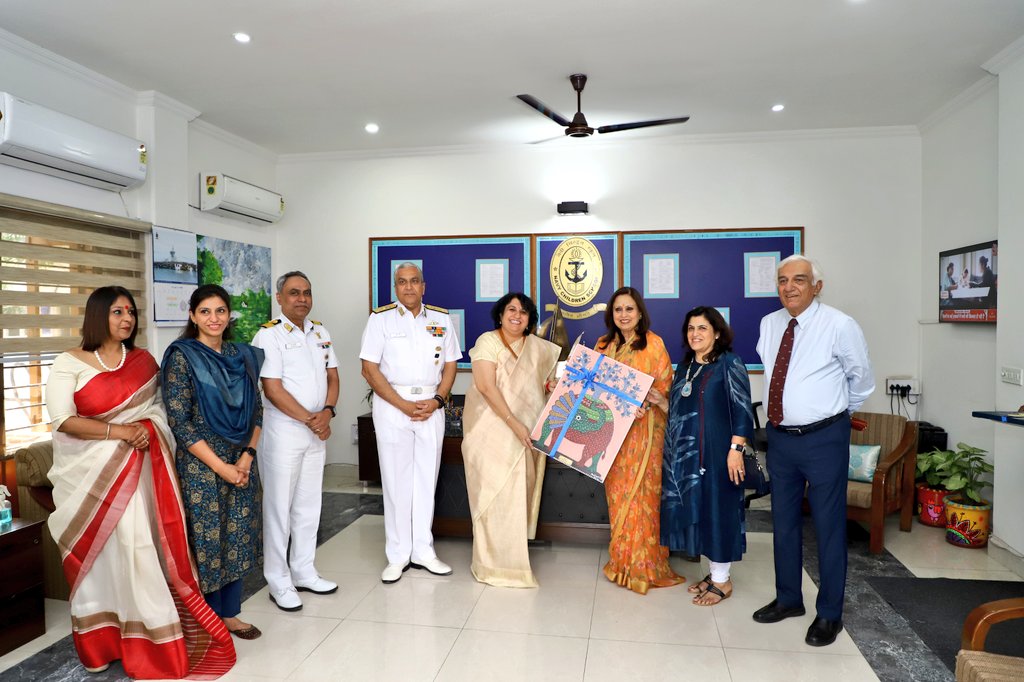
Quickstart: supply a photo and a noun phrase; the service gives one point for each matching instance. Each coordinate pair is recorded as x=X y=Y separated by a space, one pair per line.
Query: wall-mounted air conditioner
x=223 y=194
x=46 y=141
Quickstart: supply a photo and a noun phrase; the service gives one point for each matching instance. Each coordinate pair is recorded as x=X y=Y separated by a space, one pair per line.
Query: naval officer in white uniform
x=409 y=351
x=300 y=389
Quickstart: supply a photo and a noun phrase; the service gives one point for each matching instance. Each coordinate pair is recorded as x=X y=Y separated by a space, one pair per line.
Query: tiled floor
x=577 y=626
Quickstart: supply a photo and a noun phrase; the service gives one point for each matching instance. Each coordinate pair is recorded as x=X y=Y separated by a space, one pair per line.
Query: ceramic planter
x=930 y=505
x=967 y=523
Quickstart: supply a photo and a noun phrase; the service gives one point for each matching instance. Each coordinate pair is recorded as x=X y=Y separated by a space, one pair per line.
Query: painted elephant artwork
x=589 y=412
x=592 y=427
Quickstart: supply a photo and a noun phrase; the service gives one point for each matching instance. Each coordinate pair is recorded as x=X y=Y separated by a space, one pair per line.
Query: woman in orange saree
x=119 y=522
x=633 y=485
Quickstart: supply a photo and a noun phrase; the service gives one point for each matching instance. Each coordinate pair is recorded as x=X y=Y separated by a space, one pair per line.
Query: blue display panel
x=717 y=268
x=449 y=267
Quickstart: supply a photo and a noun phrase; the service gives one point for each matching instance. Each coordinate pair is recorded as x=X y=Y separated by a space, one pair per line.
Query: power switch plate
x=1012 y=375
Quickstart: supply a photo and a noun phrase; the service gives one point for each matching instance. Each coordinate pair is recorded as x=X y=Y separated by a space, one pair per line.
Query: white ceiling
x=436 y=73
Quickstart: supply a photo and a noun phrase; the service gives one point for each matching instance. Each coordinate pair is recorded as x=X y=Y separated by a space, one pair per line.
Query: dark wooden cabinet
x=572 y=508
x=22 y=614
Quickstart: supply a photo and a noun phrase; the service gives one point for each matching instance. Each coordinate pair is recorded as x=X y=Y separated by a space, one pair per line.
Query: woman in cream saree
x=504 y=474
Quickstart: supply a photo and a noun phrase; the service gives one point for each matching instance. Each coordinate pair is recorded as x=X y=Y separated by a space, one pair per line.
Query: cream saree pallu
x=120 y=526
x=504 y=478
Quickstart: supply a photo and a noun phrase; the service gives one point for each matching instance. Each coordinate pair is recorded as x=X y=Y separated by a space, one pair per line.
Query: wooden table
x=22 y=615
x=572 y=508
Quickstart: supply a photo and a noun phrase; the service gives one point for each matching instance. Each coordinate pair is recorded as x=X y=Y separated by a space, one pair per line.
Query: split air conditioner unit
x=234 y=198
x=39 y=139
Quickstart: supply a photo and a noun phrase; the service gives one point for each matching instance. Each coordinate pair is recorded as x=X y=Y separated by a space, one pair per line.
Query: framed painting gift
x=590 y=411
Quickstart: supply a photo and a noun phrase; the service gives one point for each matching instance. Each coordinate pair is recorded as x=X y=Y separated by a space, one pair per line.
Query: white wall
x=1008 y=503
x=857 y=194
x=959 y=158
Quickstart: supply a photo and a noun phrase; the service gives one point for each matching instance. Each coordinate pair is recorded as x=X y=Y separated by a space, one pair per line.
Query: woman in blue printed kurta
x=710 y=420
x=211 y=392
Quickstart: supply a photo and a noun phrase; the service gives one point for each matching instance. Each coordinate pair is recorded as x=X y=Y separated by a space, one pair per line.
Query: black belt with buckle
x=811 y=428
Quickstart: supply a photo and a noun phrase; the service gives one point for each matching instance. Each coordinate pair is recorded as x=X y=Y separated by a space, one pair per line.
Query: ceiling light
x=242 y=37
x=778 y=107
x=371 y=128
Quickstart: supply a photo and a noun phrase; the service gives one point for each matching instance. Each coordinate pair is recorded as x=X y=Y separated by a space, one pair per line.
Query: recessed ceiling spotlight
x=372 y=128
x=242 y=37
x=778 y=107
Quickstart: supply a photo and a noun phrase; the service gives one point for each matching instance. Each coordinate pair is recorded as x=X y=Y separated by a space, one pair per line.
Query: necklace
x=688 y=385
x=124 y=354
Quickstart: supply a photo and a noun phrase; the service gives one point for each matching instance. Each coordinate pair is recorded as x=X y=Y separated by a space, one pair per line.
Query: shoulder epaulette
x=318 y=322
x=435 y=308
x=384 y=308
x=271 y=323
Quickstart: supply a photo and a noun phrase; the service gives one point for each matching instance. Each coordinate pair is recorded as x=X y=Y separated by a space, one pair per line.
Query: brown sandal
x=713 y=589
x=251 y=632
x=698 y=588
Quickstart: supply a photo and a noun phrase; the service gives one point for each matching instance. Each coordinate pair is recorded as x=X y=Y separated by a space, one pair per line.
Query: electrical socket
x=894 y=385
x=1012 y=375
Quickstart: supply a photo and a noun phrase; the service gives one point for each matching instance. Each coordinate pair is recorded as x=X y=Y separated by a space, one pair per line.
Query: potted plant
x=930 y=490
x=968 y=515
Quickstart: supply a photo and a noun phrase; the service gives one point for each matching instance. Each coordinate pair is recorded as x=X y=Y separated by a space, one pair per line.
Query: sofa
x=35 y=499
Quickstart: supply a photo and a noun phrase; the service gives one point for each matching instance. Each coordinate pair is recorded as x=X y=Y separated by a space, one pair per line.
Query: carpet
x=936 y=609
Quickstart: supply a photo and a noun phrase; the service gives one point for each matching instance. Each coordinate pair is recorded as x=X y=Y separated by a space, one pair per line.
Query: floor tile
x=609 y=661
x=496 y=657
x=437 y=601
x=287 y=640
x=543 y=611
x=352 y=587
x=773 y=666
x=362 y=650
x=664 y=615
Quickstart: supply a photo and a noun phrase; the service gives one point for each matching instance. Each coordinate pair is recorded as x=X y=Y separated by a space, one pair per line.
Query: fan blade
x=642 y=124
x=535 y=103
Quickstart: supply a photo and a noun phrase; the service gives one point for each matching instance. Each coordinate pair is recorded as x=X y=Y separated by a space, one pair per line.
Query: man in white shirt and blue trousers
x=820 y=372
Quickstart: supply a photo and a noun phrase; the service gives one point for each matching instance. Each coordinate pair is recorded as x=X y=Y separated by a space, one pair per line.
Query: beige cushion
x=981 y=666
x=858 y=494
x=33 y=464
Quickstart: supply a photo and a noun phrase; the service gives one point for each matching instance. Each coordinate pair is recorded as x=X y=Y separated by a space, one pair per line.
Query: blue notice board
x=452 y=267
x=724 y=269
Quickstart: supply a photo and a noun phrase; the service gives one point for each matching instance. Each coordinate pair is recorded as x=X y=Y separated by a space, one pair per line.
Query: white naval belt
x=427 y=391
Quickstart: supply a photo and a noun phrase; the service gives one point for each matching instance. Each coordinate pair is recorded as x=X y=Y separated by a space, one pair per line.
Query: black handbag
x=755 y=475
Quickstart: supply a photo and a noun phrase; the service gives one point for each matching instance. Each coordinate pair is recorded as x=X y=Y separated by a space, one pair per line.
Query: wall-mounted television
x=968 y=283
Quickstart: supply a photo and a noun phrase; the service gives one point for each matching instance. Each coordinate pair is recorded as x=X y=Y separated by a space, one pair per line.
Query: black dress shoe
x=775 y=612
x=823 y=632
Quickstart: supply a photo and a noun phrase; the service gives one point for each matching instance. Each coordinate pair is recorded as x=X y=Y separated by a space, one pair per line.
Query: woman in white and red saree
x=119 y=521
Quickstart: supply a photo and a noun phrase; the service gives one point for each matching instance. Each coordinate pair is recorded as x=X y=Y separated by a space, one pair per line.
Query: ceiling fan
x=579 y=127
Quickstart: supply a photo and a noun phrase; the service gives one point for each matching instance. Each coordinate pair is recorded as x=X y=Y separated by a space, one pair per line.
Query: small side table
x=21 y=584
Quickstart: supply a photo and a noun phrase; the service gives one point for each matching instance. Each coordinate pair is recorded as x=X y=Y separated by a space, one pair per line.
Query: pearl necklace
x=124 y=354
x=688 y=385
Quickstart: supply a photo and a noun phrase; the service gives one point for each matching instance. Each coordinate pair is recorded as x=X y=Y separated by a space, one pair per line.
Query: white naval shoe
x=435 y=566
x=286 y=599
x=392 y=573
x=317 y=586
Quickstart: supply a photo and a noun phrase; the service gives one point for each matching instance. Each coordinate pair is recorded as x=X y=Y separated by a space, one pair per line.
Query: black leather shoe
x=775 y=612
x=823 y=632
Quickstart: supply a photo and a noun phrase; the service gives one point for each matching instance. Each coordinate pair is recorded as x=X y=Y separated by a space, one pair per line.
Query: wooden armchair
x=892 y=488
x=973 y=663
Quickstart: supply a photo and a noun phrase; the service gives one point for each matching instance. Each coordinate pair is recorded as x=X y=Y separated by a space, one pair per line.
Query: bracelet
x=440 y=401
x=508 y=417
x=107 y=437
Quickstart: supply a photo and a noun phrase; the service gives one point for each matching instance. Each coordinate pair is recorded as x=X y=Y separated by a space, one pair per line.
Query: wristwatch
x=250 y=450
x=737 y=447
x=334 y=412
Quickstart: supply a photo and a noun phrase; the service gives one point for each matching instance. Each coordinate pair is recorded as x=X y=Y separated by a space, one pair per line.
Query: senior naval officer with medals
x=300 y=387
x=409 y=351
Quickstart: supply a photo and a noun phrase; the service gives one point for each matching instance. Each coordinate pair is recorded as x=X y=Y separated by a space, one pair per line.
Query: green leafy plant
x=958 y=471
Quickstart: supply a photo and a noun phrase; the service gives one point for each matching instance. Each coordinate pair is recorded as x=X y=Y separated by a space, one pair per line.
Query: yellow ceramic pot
x=967 y=523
